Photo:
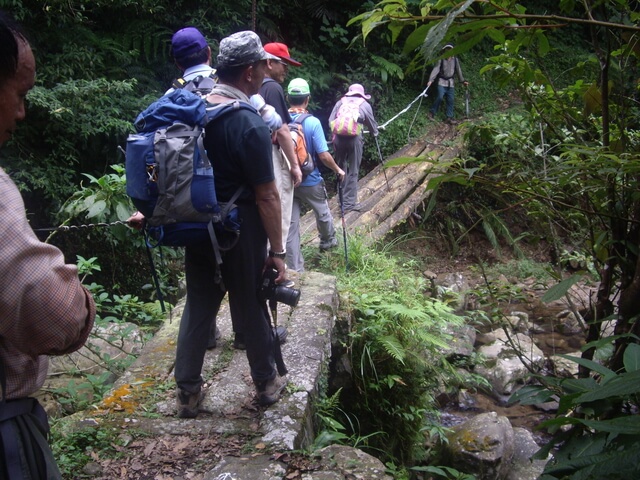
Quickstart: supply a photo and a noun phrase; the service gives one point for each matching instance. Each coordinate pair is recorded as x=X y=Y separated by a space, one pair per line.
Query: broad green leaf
x=89 y=201
x=470 y=171
x=543 y=44
x=91 y=178
x=531 y=394
x=627 y=425
x=592 y=100
x=96 y=209
x=578 y=386
x=622 y=385
x=122 y=211
x=415 y=39
x=496 y=35
x=590 y=364
x=558 y=291
x=632 y=357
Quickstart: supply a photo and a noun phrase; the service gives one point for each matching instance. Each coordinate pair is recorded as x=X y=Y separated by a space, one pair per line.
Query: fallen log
x=385 y=207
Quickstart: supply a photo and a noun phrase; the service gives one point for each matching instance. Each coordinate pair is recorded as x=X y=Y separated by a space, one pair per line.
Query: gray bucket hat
x=241 y=48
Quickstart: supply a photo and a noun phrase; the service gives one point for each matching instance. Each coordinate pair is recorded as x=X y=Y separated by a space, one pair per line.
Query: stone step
x=143 y=398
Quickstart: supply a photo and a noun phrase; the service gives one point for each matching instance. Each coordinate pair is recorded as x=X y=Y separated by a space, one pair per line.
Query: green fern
x=393 y=347
x=387 y=68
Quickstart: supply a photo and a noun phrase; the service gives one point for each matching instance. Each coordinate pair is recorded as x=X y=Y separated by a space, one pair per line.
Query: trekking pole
x=277 y=350
x=382 y=162
x=466 y=101
x=154 y=274
x=344 y=226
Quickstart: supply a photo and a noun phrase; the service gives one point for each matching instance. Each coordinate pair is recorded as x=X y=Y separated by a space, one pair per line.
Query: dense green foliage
x=100 y=62
x=595 y=444
x=395 y=345
x=568 y=160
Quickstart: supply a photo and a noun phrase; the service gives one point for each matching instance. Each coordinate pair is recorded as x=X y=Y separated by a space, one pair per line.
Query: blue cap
x=186 y=42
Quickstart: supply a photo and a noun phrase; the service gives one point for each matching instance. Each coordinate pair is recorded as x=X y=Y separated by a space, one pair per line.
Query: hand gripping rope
x=420 y=96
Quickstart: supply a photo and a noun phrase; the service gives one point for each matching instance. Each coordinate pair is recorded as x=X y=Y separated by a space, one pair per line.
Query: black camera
x=270 y=290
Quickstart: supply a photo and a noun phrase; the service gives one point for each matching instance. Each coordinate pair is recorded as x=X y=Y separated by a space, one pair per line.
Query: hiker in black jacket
x=444 y=71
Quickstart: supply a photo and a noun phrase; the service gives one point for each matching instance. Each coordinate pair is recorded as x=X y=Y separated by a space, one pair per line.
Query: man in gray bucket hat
x=239 y=147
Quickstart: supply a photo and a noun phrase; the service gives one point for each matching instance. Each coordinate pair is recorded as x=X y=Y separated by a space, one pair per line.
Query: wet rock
x=483 y=446
x=335 y=462
x=247 y=467
x=564 y=368
x=570 y=322
x=522 y=467
x=504 y=366
x=348 y=462
x=463 y=337
x=465 y=400
x=454 y=281
x=519 y=321
x=429 y=274
x=555 y=342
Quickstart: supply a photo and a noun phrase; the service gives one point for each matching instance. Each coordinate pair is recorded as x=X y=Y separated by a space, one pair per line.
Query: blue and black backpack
x=170 y=178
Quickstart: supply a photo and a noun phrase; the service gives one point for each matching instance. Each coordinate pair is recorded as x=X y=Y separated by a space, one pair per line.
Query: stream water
x=549 y=335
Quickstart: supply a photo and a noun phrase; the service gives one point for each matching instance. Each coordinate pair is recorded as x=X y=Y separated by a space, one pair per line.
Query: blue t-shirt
x=316 y=143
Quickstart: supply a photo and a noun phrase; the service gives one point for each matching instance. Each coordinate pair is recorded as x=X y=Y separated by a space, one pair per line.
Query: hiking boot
x=187 y=403
x=214 y=336
x=432 y=115
x=268 y=392
x=333 y=243
x=451 y=121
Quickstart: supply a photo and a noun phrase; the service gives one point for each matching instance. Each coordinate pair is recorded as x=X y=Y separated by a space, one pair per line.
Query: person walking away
x=285 y=168
x=445 y=71
x=239 y=148
x=192 y=55
x=348 y=148
x=44 y=309
x=312 y=190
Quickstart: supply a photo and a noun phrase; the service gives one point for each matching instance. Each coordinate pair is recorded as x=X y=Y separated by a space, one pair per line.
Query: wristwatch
x=281 y=255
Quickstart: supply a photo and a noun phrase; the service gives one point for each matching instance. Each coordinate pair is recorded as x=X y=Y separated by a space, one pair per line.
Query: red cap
x=282 y=51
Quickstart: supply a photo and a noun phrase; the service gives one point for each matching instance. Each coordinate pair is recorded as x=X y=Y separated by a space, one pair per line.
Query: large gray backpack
x=170 y=178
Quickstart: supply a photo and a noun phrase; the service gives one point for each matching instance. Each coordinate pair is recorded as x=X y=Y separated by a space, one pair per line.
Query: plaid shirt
x=44 y=310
